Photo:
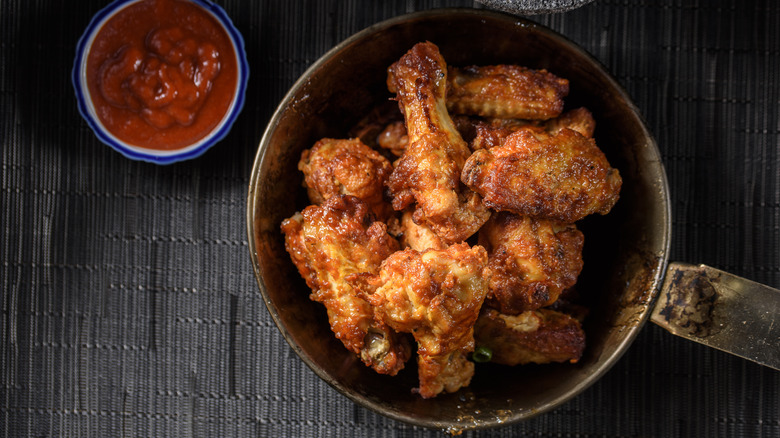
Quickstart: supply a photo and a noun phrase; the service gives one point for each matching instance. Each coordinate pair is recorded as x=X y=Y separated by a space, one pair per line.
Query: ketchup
x=161 y=74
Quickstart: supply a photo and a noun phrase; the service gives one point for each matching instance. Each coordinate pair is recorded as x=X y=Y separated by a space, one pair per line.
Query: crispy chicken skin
x=562 y=176
x=486 y=133
x=493 y=132
x=328 y=243
x=394 y=138
x=418 y=237
x=346 y=167
x=370 y=127
x=428 y=173
x=506 y=91
x=578 y=119
x=531 y=261
x=534 y=336
x=436 y=295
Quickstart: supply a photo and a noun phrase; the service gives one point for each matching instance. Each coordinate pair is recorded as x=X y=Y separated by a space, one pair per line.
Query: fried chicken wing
x=486 y=133
x=506 y=91
x=534 y=336
x=370 y=127
x=428 y=173
x=436 y=295
x=418 y=237
x=394 y=138
x=578 y=119
x=493 y=132
x=562 y=176
x=346 y=167
x=531 y=261
x=328 y=243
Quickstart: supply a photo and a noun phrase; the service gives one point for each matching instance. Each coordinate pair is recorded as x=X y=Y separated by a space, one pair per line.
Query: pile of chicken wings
x=453 y=226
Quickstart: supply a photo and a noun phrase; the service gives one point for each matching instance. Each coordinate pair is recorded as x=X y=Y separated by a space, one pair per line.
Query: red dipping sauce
x=161 y=74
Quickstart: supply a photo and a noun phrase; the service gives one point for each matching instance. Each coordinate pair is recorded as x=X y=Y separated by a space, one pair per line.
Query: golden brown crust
x=393 y=138
x=506 y=91
x=562 y=176
x=428 y=173
x=327 y=244
x=578 y=119
x=493 y=132
x=436 y=295
x=418 y=237
x=346 y=167
x=531 y=261
x=371 y=126
x=490 y=132
x=535 y=336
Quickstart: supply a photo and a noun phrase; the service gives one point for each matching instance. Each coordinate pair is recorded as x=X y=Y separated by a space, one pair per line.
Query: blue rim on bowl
x=87 y=109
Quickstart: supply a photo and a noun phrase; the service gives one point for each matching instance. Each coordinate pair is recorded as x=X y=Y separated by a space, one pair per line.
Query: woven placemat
x=129 y=305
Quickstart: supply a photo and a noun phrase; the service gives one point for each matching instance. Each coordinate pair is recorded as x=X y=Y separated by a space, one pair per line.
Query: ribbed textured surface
x=129 y=305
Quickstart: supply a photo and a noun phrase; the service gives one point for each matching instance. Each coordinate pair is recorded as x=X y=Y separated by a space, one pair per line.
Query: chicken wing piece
x=562 y=176
x=578 y=119
x=493 y=132
x=394 y=138
x=436 y=295
x=506 y=91
x=327 y=243
x=346 y=167
x=428 y=173
x=531 y=261
x=418 y=237
x=535 y=336
x=370 y=127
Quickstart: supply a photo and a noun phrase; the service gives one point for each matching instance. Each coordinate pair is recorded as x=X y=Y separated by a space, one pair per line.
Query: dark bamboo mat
x=129 y=306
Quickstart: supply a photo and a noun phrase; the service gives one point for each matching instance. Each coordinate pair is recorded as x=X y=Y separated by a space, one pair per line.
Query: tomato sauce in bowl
x=160 y=78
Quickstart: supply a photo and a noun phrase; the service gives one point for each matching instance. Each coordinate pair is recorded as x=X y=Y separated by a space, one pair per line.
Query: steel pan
x=625 y=255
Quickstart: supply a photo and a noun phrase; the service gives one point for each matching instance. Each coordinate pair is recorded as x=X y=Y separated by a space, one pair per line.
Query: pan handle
x=721 y=310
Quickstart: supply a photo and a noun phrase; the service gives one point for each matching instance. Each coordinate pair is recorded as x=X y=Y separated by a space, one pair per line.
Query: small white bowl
x=88 y=111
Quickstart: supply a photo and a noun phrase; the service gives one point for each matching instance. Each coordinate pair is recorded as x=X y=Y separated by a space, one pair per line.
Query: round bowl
x=158 y=156
x=625 y=251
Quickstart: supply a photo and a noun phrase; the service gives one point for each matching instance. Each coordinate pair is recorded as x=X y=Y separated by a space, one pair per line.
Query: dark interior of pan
x=625 y=251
